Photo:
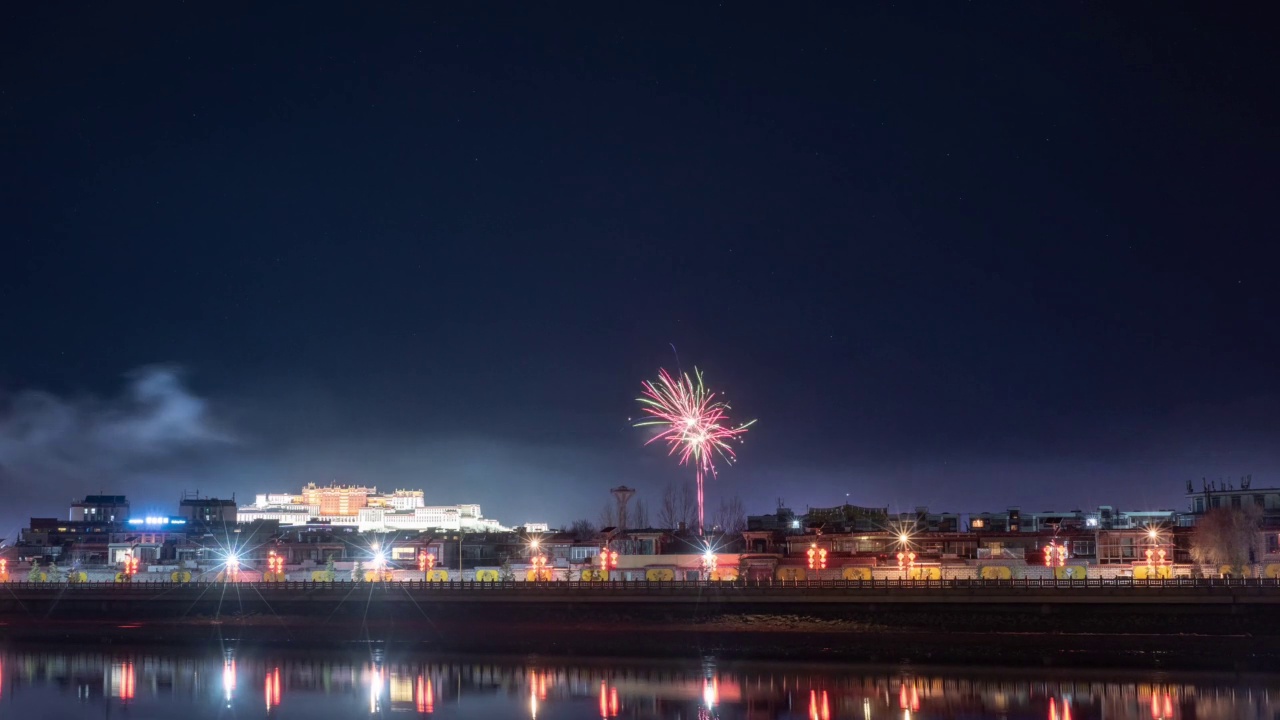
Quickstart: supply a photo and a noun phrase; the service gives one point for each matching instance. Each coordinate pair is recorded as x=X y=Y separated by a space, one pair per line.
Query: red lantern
x=822 y=559
x=813 y=551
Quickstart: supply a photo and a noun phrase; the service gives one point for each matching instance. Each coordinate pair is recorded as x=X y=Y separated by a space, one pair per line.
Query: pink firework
x=694 y=424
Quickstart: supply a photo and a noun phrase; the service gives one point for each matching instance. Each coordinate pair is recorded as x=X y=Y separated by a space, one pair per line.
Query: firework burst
x=694 y=424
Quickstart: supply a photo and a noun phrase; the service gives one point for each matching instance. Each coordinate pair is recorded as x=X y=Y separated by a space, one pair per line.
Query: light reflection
x=711 y=692
x=375 y=690
x=343 y=687
x=424 y=696
x=608 y=700
x=271 y=689
x=122 y=681
x=228 y=680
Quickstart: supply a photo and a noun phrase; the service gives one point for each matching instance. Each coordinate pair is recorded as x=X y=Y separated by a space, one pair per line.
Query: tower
x=622 y=494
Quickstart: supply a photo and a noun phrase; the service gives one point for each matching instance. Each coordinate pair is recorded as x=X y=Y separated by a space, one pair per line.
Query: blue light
x=177 y=521
x=136 y=521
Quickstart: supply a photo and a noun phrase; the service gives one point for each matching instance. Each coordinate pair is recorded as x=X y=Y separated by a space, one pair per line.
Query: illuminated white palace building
x=365 y=508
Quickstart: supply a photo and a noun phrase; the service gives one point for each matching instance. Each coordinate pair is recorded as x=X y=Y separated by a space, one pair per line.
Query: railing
x=671 y=586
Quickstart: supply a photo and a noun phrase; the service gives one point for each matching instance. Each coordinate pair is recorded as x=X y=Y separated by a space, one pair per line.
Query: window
x=1235 y=502
x=1126 y=548
x=1082 y=548
x=1216 y=502
x=1260 y=500
x=1199 y=505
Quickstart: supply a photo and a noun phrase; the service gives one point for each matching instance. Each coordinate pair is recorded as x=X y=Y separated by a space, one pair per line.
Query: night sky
x=959 y=255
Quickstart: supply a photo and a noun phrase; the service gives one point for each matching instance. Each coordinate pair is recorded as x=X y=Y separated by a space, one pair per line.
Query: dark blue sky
x=959 y=255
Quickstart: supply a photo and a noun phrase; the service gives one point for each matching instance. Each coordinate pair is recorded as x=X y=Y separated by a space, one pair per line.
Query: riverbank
x=731 y=637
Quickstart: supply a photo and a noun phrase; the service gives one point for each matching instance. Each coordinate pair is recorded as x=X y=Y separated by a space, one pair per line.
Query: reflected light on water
x=122 y=681
x=162 y=683
x=819 y=706
x=375 y=690
x=229 y=680
x=424 y=696
x=271 y=689
x=711 y=692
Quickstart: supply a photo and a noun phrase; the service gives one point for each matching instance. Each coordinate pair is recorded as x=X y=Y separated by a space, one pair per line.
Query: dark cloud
x=51 y=445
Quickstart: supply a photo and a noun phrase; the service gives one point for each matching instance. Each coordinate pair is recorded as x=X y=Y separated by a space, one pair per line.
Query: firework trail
x=694 y=424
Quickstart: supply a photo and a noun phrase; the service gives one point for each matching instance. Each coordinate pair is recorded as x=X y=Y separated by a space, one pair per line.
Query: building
x=337 y=499
x=207 y=510
x=366 y=510
x=1225 y=494
x=100 y=508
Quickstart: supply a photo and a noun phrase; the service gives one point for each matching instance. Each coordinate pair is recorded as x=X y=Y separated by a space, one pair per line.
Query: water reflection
x=319 y=686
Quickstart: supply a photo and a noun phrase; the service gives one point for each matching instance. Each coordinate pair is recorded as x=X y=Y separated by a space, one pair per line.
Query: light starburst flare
x=693 y=423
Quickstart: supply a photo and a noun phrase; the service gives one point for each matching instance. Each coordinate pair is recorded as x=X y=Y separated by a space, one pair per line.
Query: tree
x=330 y=571
x=639 y=516
x=1228 y=537
x=506 y=573
x=608 y=516
x=54 y=574
x=34 y=574
x=582 y=530
x=731 y=516
x=679 y=505
x=357 y=571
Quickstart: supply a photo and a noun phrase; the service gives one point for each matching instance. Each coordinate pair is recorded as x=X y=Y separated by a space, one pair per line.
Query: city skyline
x=959 y=256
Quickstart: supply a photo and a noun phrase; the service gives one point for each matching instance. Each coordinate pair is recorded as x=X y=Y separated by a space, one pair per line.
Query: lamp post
x=1157 y=557
x=379 y=560
x=608 y=561
x=426 y=563
x=906 y=556
x=538 y=560
x=709 y=559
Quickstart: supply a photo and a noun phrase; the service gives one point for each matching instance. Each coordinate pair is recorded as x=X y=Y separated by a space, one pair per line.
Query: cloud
x=50 y=443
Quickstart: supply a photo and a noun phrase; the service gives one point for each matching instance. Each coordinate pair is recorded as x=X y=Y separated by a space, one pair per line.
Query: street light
x=709 y=559
x=540 y=570
x=906 y=556
x=130 y=566
x=426 y=561
x=275 y=567
x=608 y=561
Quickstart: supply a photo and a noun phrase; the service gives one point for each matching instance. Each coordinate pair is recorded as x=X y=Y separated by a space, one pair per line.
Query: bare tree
x=582 y=530
x=731 y=516
x=1228 y=536
x=669 y=511
x=608 y=516
x=639 y=516
x=679 y=505
x=689 y=505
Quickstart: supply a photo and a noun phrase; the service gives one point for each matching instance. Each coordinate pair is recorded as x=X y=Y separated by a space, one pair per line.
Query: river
x=264 y=683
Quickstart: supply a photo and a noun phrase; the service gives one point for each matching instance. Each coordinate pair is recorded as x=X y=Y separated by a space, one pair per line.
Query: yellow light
x=903 y=538
x=1153 y=533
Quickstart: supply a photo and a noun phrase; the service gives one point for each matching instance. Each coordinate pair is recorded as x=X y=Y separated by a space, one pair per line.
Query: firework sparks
x=694 y=424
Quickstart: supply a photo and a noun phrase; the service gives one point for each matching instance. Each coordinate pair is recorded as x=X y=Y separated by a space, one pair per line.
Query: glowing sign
x=157 y=520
